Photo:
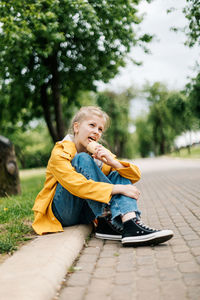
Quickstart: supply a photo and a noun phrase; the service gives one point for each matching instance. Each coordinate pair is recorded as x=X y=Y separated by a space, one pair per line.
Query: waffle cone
x=91 y=147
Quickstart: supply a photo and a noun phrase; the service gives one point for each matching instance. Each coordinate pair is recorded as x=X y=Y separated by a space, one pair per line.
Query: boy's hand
x=127 y=190
x=105 y=156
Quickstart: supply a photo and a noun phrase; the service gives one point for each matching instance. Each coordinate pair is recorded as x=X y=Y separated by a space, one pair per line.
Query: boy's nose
x=96 y=132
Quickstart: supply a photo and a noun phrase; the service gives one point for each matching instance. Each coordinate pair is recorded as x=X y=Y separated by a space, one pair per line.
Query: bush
x=33 y=145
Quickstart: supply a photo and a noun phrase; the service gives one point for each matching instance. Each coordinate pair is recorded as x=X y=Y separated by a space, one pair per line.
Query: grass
x=183 y=153
x=16 y=214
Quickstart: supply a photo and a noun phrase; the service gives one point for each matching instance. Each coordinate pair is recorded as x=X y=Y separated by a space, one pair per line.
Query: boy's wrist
x=117 y=189
x=117 y=165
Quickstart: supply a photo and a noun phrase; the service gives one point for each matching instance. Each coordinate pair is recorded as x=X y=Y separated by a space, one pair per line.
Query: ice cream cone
x=91 y=147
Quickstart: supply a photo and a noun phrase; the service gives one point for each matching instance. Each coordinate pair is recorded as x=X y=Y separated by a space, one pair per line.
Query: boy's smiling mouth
x=91 y=138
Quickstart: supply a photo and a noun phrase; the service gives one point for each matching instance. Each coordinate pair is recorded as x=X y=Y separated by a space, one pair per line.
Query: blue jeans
x=72 y=210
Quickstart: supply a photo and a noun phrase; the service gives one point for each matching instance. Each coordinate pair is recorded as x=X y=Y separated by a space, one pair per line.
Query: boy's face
x=89 y=129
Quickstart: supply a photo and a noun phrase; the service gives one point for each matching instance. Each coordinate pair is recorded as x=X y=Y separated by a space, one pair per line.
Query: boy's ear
x=76 y=127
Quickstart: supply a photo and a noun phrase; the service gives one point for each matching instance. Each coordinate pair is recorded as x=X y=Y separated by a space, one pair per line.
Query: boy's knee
x=82 y=158
x=116 y=178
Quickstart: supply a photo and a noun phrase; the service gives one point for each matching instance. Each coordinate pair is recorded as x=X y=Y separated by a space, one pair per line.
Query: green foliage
x=16 y=214
x=169 y=115
x=32 y=144
x=193 y=93
x=192 y=13
x=13 y=235
x=192 y=29
x=194 y=152
x=52 y=49
x=118 y=138
x=144 y=136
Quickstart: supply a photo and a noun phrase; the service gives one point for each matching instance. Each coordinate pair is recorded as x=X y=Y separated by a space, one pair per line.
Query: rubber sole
x=108 y=237
x=146 y=240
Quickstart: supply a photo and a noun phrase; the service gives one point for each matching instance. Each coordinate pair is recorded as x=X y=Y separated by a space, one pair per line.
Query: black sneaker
x=135 y=233
x=107 y=231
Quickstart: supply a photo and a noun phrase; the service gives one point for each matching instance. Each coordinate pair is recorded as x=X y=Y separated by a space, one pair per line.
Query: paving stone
x=91 y=250
x=166 y=263
x=183 y=257
x=125 y=267
x=96 y=296
x=174 y=290
x=100 y=287
x=193 y=294
x=147 y=284
x=145 y=251
x=122 y=292
x=127 y=250
x=195 y=251
x=109 y=253
x=180 y=248
x=88 y=258
x=109 y=271
x=198 y=259
x=124 y=278
x=105 y=273
x=189 y=267
x=153 y=295
x=145 y=260
x=72 y=293
x=107 y=262
x=79 y=279
x=85 y=267
x=192 y=279
x=179 y=241
x=147 y=271
x=190 y=237
x=96 y=243
x=169 y=274
x=194 y=243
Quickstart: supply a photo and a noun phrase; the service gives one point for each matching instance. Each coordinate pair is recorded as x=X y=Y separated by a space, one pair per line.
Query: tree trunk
x=162 y=143
x=9 y=174
x=60 y=127
x=55 y=125
x=47 y=114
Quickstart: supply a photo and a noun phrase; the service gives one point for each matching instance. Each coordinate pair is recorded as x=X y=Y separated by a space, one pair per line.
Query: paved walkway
x=170 y=199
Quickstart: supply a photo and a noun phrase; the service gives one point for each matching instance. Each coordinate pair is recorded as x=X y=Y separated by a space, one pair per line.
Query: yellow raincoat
x=59 y=169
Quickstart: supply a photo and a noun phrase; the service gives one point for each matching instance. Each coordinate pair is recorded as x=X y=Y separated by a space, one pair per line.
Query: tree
x=9 y=175
x=52 y=49
x=192 y=89
x=167 y=118
x=118 y=137
x=192 y=29
x=144 y=136
x=192 y=14
x=193 y=94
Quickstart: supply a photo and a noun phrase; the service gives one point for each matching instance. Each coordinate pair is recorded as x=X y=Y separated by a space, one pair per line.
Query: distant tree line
x=51 y=50
x=52 y=53
x=171 y=113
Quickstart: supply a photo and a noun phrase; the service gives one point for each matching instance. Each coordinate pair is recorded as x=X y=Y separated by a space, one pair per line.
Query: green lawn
x=183 y=153
x=16 y=213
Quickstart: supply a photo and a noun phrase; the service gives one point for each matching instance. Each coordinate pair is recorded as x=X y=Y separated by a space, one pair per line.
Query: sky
x=170 y=61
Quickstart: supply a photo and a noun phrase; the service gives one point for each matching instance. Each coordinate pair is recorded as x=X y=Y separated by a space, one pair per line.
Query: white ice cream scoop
x=91 y=147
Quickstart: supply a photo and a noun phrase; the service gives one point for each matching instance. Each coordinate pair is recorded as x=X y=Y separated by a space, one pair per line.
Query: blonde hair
x=86 y=111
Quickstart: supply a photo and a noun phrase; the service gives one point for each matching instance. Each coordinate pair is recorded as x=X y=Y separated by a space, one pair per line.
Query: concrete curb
x=37 y=269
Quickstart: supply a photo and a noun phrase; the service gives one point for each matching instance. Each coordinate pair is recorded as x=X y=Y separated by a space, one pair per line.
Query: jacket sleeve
x=60 y=166
x=130 y=171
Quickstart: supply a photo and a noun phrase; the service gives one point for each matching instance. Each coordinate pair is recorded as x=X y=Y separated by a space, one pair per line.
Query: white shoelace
x=145 y=226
